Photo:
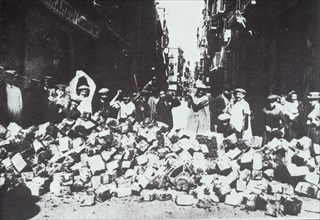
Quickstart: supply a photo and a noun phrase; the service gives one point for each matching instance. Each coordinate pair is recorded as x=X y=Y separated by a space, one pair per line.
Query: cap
x=240 y=90
x=292 y=92
x=61 y=86
x=83 y=87
x=144 y=92
x=47 y=77
x=103 y=90
x=77 y=100
x=224 y=117
x=273 y=98
x=200 y=85
x=314 y=95
x=11 y=71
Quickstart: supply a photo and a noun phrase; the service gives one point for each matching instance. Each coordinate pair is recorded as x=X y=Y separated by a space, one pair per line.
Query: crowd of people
x=228 y=113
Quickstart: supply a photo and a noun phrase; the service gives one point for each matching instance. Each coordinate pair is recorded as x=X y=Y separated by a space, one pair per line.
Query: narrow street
x=159 y=109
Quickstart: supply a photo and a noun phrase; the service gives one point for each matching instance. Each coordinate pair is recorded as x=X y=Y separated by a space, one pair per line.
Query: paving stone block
x=103 y=193
x=96 y=181
x=223 y=164
x=96 y=164
x=123 y=191
x=141 y=160
x=108 y=155
x=241 y=185
x=307 y=189
x=85 y=174
x=87 y=200
x=65 y=144
x=296 y=171
x=58 y=190
x=7 y=162
x=247 y=157
x=113 y=165
x=14 y=128
x=234 y=198
x=185 y=200
x=18 y=162
x=147 y=195
x=38 y=146
x=143 y=181
x=313 y=178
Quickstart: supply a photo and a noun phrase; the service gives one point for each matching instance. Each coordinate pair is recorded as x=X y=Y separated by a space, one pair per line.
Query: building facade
x=109 y=40
x=268 y=46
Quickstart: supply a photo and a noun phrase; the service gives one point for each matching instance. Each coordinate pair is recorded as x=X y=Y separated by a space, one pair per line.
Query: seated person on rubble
x=224 y=125
x=274 y=120
x=125 y=106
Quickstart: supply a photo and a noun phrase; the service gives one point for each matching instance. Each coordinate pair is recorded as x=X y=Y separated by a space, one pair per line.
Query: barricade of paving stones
x=95 y=162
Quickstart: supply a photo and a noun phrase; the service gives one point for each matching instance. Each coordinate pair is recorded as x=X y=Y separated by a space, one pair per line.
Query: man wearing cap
x=125 y=106
x=199 y=116
x=274 y=120
x=151 y=87
x=312 y=122
x=240 y=115
x=142 y=108
x=71 y=111
x=83 y=87
x=101 y=106
x=221 y=104
x=164 y=108
x=292 y=112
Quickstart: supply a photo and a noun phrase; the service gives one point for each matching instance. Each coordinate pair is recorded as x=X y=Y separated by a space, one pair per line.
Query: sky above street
x=183 y=17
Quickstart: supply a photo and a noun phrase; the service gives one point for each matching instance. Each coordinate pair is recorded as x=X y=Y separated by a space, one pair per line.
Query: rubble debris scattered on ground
x=95 y=163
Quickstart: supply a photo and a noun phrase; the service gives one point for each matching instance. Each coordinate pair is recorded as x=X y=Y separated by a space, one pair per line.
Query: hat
x=200 y=85
x=103 y=90
x=224 y=117
x=292 y=92
x=77 y=100
x=83 y=87
x=273 y=98
x=314 y=95
x=61 y=86
x=47 y=77
x=11 y=71
x=144 y=92
x=240 y=90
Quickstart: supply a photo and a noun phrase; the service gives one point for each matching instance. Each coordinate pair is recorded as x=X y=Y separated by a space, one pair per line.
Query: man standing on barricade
x=240 y=115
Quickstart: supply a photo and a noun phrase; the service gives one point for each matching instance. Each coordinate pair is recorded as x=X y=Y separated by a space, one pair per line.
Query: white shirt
x=14 y=102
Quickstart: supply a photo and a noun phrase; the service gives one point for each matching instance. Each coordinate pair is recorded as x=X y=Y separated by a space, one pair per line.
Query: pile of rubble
x=96 y=162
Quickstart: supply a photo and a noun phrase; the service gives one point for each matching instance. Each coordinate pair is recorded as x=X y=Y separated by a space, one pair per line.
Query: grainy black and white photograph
x=159 y=109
